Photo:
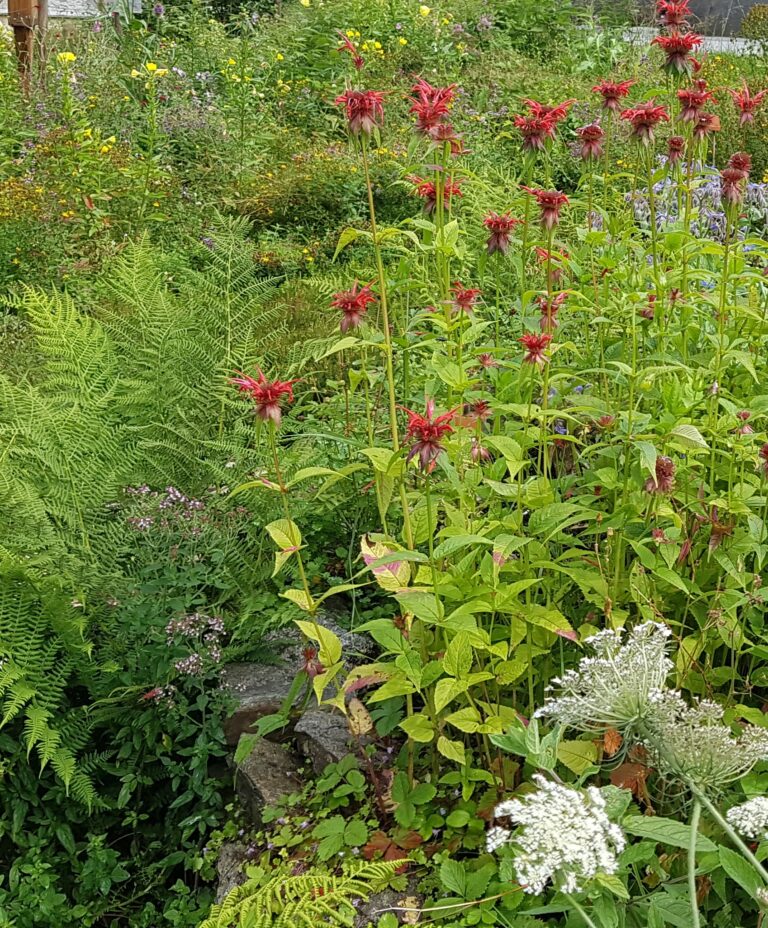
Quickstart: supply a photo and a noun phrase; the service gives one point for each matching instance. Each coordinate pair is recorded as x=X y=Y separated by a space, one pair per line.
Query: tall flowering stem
x=723 y=822
x=388 y=350
x=694 y=826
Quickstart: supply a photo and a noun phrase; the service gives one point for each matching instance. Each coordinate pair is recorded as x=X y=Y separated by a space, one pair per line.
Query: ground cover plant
x=454 y=316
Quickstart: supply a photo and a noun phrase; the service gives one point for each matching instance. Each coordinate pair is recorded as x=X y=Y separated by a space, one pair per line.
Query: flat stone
x=267 y=774
x=323 y=737
x=370 y=912
x=259 y=690
x=229 y=868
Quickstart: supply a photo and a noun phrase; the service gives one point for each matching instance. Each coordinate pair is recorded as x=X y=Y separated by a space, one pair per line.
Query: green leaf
x=467 y=719
x=453 y=877
x=453 y=750
x=300 y=598
x=457 y=542
x=613 y=884
x=356 y=833
x=346 y=238
x=458 y=818
x=666 y=831
x=648 y=455
x=458 y=657
x=418 y=727
x=422 y=793
x=330 y=644
x=689 y=437
x=577 y=756
x=740 y=871
x=285 y=534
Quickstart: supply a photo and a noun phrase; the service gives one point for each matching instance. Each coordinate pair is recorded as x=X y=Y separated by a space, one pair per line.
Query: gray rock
x=267 y=774
x=229 y=868
x=259 y=690
x=370 y=912
x=323 y=736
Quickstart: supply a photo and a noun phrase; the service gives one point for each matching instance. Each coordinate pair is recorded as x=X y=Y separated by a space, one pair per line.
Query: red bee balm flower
x=746 y=103
x=732 y=183
x=612 y=92
x=675 y=148
x=426 y=432
x=673 y=13
x=692 y=101
x=741 y=161
x=555 y=114
x=550 y=203
x=500 y=228
x=664 y=481
x=427 y=190
x=678 y=47
x=705 y=125
x=347 y=46
x=536 y=131
x=353 y=305
x=591 y=142
x=535 y=348
x=365 y=110
x=430 y=104
x=464 y=298
x=266 y=395
x=549 y=310
x=644 y=118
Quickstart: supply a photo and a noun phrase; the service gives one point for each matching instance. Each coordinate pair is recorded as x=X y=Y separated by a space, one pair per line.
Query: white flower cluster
x=751 y=818
x=692 y=742
x=611 y=689
x=565 y=836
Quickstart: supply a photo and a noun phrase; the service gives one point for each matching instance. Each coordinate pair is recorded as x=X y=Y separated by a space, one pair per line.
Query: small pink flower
x=487 y=360
x=464 y=298
x=747 y=103
x=664 y=481
x=535 y=348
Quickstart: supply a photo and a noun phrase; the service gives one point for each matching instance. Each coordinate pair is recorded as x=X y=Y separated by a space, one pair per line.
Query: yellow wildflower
x=280 y=56
x=66 y=57
x=424 y=10
x=402 y=41
x=305 y=2
x=151 y=66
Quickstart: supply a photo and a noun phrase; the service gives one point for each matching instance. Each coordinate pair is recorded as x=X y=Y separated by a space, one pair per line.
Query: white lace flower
x=751 y=818
x=692 y=742
x=610 y=690
x=565 y=836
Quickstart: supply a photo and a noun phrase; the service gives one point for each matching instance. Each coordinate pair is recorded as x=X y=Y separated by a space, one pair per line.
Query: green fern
x=316 y=898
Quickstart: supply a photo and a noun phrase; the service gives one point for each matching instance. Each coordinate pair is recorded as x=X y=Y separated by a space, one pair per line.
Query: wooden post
x=22 y=17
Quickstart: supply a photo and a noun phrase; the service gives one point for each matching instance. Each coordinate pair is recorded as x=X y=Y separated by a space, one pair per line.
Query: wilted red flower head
x=612 y=92
x=365 y=110
x=446 y=133
x=747 y=103
x=464 y=298
x=550 y=202
x=267 y=395
x=591 y=142
x=500 y=227
x=430 y=104
x=692 y=100
x=479 y=452
x=487 y=360
x=348 y=46
x=606 y=422
x=536 y=131
x=353 y=305
x=673 y=12
x=427 y=190
x=741 y=161
x=732 y=183
x=664 y=481
x=311 y=664
x=550 y=307
x=425 y=432
x=704 y=125
x=535 y=348
x=644 y=118
x=675 y=148
x=763 y=453
x=678 y=47
x=555 y=113
x=745 y=428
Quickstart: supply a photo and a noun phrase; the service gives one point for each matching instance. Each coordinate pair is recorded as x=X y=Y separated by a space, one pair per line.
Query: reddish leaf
x=612 y=741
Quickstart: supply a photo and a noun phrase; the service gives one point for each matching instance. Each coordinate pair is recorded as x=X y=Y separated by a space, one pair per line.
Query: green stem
x=580 y=909
x=695 y=816
x=725 y=825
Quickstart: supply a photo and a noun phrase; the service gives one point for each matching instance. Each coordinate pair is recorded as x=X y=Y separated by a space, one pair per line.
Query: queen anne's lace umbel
x=692 y=742
x=611 y=689
x=751 y=818
x=565 y=836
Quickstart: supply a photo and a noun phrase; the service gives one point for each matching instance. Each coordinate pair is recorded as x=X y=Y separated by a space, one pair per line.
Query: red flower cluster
x=427 y=190
x=353 y=305
x=464 y=298
x=267 y=395
x=747 y=103
x=500 y=228
x=550 y=307
x=535 y=348
x=556 y=113
x=673 y=12
x=550 y=202
x=431 y=105
x=732 y=182
x=644 y=118
x=678 y=47
x=612 y=92
x=664 y=480
x=365 y=110
x=538 y=127
x=741 y=161
x=591 y=142
x=705 y=125
x=692 y=100
x=425 y=432
x=347 y=46
x=675 y=148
